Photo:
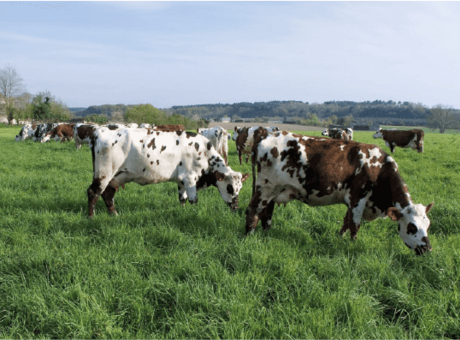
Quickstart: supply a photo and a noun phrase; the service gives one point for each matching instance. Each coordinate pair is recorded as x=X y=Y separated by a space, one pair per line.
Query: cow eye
x=411 y=229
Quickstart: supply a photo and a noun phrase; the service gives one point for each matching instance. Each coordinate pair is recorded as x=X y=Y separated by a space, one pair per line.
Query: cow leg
x=392 y=148
x=258 y=207
x=266 y=215
x=352 y=220
x=108 y=196
x=190 y=188
x=239 y=156
x=182 y=194
x=94 y=191
x=247 y=158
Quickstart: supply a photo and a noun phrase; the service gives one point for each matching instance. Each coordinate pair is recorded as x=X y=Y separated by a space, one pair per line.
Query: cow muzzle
x=234 y=204
x=420 y=250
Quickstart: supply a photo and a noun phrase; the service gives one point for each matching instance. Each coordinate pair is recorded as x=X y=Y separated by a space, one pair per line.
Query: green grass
x=159 y=270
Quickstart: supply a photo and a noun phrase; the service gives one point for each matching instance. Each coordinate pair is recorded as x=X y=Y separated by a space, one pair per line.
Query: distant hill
x=378 y=112
x=76 y=109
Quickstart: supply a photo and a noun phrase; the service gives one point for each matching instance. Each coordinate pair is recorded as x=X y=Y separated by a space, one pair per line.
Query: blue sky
x=187 y=53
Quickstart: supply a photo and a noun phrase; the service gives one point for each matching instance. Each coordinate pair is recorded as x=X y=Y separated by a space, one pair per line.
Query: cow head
x=378 y=134
x=413 y=226
x=229 y=186
x=325 y=132
x=236 y=132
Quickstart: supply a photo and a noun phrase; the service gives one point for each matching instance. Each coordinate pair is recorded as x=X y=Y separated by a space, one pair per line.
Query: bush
x=98 y=119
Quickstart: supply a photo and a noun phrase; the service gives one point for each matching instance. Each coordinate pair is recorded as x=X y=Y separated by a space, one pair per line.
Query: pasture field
x=159 y=270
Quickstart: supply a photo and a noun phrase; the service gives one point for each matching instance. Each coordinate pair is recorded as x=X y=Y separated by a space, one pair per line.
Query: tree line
x=20 y=105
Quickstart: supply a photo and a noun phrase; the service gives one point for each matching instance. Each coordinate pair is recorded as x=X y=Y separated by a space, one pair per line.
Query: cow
x=147 y=157
x=244 y=138
x=329 y=171
x=337 y=133
x=82 y=134
x=219 y=139
x=170 y=128
x=61 y=133
x=402 y=138
x=42 y=130
x=27 y=132
x=146 y=125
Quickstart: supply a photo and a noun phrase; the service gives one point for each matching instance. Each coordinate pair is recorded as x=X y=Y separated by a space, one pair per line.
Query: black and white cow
x=146 y=156
x=27 y=132
x=219 y=139
x=42 y=130
x=327 y=171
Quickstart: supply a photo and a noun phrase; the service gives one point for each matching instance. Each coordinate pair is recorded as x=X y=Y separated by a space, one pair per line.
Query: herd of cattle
x=314 y=170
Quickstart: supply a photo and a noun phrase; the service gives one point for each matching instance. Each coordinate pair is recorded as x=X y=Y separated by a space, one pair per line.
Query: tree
x=45 y=108
x=443 y=117
x=11 y=87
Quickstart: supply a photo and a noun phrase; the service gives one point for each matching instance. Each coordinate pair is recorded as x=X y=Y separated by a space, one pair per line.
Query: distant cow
x=27 y=132
x=244 y=138
x=171 y=128
x=42 y=130
x=402 y=138
x=147 y=157
x=146 y=125
x=324 y=172
x=82 y=134
x=337 y=133
x=61 y=133
x=219 y=139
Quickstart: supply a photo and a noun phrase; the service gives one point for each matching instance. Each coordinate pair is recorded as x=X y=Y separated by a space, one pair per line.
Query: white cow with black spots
x=147 y=156
x=219 y=139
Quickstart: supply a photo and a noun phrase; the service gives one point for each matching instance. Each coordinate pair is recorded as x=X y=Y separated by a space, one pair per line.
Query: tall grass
x=159 y=270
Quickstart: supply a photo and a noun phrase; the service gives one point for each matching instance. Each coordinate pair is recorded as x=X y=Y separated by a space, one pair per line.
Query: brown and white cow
x=244 y=139
x=337 y=133
x=82 y=134
x=402 y=138
x=178 y=127
x=61 y=133
x=148 y=157
x=27 y=132
x=329 y=171
x=219 y=139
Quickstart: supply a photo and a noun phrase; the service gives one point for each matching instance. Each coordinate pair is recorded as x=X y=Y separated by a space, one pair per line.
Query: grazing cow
x=337 y=133
x=219 y=139
x=27 y=132
x=170 y=128
x=82 y=134
x=146 y=125
x=42 y=130
x=244 y=138
x=402 y=138
x=61 y=133
x=147 y=157
x=324 y=172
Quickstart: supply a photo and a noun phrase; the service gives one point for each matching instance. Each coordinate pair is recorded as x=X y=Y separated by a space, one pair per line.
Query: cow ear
x=394 y=213
x=236 y=128
x=245 y=177
x=429 y=206
x=219 y=176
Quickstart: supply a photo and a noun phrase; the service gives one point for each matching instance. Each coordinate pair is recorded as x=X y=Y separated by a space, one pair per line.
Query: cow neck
x=399 y=191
